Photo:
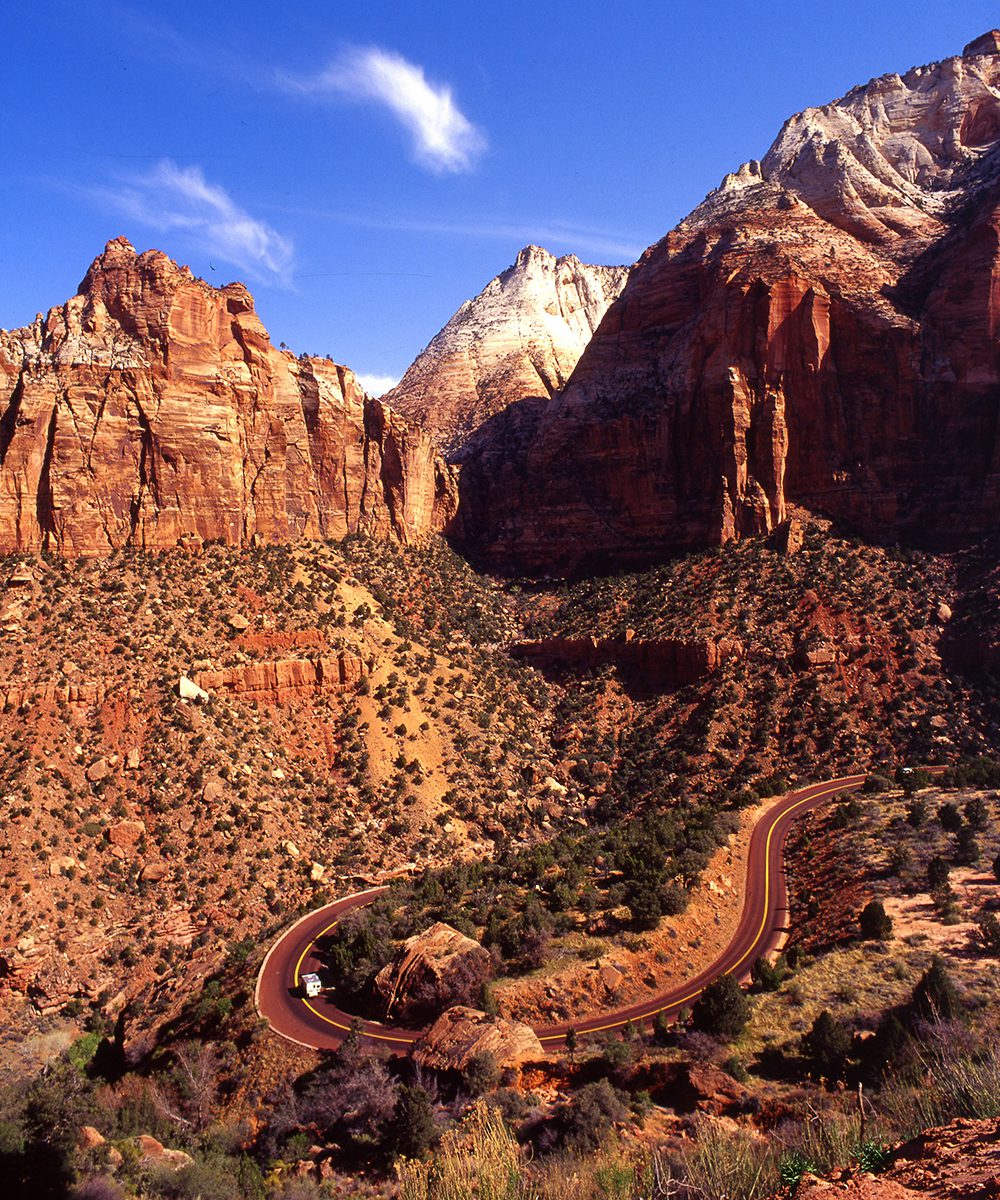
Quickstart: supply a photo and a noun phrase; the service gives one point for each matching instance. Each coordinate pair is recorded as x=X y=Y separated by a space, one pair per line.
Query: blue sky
x=366 y=167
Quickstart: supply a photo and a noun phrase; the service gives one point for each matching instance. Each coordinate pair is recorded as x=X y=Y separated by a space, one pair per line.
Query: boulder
x=90 y=1138
x=126 y=833
x=460 y=1033
x=187 y=689
x=689 y=1087
x=431 y=971
x=153 y=1152
x=98 y=770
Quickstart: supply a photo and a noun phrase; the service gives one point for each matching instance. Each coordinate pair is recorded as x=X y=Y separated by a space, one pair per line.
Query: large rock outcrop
x=431 y=971
x=285 y=679
x=661 y=662
x=822 y=330
x=152 y=407
x=460 y=1034
x=521 y=336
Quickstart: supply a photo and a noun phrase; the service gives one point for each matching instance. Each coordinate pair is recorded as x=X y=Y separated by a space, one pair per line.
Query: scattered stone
x=611 y=976
x=291 y=849
x=316 y=872
x=125 y=834
x=153 y=872
x=133 y=759
x=213 y=791
x=98 y=770
x=61 y=864
x=944 y=612
x=238 y=622
x=816 y=654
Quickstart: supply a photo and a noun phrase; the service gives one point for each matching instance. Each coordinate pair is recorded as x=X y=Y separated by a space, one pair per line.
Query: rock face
x=432 y=970
x=822 y=330
x=461 y=1033
x=521 y=336
x=152 y=408
x=286 y=679
x=959 y=1161
x=664 y=662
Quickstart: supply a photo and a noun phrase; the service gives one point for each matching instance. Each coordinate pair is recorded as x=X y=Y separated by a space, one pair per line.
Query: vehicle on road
x=312 y=985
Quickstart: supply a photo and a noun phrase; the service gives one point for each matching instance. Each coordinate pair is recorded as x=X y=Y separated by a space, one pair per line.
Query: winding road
x=319 y=1024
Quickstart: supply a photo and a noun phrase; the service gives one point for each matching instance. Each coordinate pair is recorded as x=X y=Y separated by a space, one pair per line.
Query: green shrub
x=722 y=1009
x=876 y=924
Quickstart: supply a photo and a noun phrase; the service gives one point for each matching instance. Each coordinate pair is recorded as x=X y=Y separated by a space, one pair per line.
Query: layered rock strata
x=285 y=679
x=152 y=407
x=666 y=662
x=822 y=330
x=521 y=336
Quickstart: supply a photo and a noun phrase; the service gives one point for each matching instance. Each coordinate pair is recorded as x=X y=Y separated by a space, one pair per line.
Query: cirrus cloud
x=443 y=138
x=174 y=199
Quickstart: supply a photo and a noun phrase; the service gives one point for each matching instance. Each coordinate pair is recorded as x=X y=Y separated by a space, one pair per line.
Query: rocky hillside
x=821 y=330
x=521 y=336
x=152 y=406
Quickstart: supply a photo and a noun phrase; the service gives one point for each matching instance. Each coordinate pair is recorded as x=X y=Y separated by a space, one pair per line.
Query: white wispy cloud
x=377 y=385
x=443 y=138
x=574 y=238
x=175 y=199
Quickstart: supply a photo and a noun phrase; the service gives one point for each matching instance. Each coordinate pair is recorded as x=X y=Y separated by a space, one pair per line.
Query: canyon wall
x=822 y=330
x=152 y=407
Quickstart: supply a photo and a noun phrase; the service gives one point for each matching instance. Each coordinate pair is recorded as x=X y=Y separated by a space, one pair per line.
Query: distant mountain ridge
x=520 y=337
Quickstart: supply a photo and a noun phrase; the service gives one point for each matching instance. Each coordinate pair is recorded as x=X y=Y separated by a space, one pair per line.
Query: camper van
x=311 y=985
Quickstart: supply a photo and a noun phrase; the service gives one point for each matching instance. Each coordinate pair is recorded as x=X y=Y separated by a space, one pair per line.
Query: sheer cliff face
x=822 y=330
x=521 y=336
x=152 y=406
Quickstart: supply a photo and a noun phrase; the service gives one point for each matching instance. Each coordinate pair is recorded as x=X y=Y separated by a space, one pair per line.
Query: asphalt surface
x=320 y=1024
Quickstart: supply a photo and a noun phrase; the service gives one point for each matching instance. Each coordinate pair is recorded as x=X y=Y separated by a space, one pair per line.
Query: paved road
x=318 y=1023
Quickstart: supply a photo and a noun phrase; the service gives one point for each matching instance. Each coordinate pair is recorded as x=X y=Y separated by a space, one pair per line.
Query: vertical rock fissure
x=44 y=501
x=8 y=422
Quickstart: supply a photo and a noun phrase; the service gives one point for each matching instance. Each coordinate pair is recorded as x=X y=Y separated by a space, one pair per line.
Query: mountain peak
x=520 y=337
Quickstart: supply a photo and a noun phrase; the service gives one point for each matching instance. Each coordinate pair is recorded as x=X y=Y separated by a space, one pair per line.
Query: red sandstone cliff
x=521 y=336
x=152 y=406
x=822 y=330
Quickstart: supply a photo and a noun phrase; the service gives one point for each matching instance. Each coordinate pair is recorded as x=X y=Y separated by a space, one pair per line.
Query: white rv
x=311 y=984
